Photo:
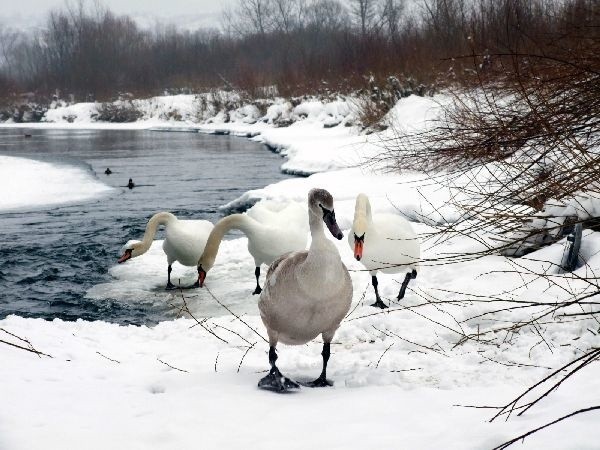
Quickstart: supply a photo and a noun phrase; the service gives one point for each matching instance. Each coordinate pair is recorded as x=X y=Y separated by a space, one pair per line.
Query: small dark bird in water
x=130 y=184
x=27 y=135
x=108 y=171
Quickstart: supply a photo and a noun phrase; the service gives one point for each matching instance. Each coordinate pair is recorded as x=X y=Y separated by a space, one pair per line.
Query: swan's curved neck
x=161 y=218
x=317 y=230
x=362 y=214
x=317 y=274
x=241 y=222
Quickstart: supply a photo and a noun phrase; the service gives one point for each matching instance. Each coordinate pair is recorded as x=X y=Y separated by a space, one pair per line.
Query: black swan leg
x=258 y=289
x=378 y=303
x=170 y=285
x=409 y=276
x=275 y=381
x=322 y=381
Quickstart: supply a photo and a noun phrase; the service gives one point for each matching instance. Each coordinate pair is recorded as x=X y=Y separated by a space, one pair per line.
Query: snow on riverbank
x=312 y=145
x=320 y=135
x=31 y=184
x=398 y=373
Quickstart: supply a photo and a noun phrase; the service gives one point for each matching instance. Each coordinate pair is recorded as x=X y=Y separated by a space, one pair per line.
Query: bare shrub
x=24 y=108
x=120 y=111
x=517 y=148
x=378 y=98
x=522 y=139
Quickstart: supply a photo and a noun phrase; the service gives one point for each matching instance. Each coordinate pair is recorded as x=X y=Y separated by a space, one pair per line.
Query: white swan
x=384 y=243
x=184 y=241
x=306 y=293
x=272 y=229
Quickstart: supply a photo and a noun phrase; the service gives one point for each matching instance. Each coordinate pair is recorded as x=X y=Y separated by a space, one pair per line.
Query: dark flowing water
x=50 y=257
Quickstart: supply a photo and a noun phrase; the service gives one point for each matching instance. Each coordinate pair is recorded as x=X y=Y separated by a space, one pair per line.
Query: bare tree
x=9 y=39
x=251 y=17
x=365 y=13
x=390 y=12
x=288 y=14
x=327 y=15
x=305 y=46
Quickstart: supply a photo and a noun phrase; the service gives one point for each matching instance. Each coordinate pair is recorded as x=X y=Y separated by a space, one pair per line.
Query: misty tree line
x=297 y=45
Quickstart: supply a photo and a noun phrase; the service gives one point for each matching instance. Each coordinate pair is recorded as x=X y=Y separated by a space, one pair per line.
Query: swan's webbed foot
x=275 y=381
x=379 y=304
x=170 y=286
x=257 y=291
x=320 y=382
x=196 y=285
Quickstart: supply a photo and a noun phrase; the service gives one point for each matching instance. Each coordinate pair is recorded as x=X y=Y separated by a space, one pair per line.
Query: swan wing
x=393 y=226
x=185 y=240
x=279 y=214
x=391 y=245
x=285 y=262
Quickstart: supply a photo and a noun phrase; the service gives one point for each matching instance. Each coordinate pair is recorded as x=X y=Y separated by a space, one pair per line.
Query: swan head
x=362 y=217
x=201 y=275
x=205 y=263
x=320 y=203
x=130 y=250
x=359 y=242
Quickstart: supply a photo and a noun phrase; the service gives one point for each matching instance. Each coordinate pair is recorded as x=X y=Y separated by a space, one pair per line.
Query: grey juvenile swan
x=306 y=293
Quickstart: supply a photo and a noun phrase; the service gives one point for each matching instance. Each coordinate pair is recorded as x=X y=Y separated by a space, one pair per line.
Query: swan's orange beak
x=201 y=276
x=358 y=249
x=125 y=256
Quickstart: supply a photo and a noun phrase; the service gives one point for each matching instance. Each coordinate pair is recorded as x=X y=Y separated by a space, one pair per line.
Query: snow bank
x=155 y=111
x=414 y=113
x=414 y=196
x=314 y=136
x=79 y=113
x=318 y=140
x=175 y=108
x=32 y=184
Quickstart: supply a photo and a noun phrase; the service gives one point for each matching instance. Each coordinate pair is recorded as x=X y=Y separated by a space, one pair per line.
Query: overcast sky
x=22 y=13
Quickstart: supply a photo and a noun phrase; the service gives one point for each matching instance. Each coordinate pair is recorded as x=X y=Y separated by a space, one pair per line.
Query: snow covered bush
x=523 y=143
x=119 y=111
x=519 y=153
x=379 y=98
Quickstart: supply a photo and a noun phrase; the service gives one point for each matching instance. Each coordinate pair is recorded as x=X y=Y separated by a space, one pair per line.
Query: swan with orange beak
x=384 y=243
x=184 y=241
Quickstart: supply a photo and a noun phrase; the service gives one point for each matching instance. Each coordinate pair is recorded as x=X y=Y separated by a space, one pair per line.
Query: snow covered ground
x=29 y=184
x=398 y=373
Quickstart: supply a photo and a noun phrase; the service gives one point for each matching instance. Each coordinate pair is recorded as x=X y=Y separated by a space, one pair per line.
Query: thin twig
x=25 y=348
x=385 y=351
x=244 y=355
x=110 y=359
x=234 y=314
x=524 y=435
x=169 y=365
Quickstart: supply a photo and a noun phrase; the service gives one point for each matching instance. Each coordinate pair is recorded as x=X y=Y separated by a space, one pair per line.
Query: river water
x=51 y=257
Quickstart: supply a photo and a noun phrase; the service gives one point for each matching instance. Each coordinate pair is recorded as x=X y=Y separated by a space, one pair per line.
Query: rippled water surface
x=50 y=257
